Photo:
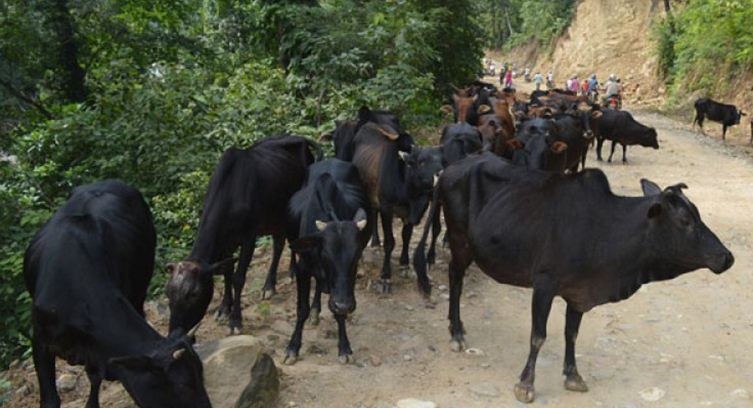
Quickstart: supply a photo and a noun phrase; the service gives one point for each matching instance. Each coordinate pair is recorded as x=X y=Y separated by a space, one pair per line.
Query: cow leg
x=303 y=286
x=373 y=218
x=316 y=305
x=624 y=153
x=724 y=131
x=95 y=380
x=223 y=312
x=389 y=245
x=436 y=228
x=344 y=353
x=599 y=144
x=44 y=362
x=461 y=258
x=278 y=243
x=541 y=305
x=239 y=281
x=573 y=380
x=406 y=234
x=612 y=152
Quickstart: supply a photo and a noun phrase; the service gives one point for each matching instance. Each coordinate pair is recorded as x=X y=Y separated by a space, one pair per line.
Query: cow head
x=337 y=248
x=649 y=139
x=169 y=375
x=387 y=124
x=189 y=290
x=537 y=145
x=422 y=167
x=463 y=107
x=739 y=115
x=680 y=237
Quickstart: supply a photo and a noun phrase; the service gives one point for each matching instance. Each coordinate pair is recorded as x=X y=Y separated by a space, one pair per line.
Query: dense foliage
x=508 y=23
x=152 y=92
x=702 y=44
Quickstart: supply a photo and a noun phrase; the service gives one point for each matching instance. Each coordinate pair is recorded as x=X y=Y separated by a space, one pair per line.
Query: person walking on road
x=538 y=80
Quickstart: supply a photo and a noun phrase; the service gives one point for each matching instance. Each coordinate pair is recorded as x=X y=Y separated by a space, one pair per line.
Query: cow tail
x=419 y=255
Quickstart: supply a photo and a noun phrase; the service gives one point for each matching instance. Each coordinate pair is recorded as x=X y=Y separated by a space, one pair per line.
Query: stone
x=653 y=394
x=485 y=389
x=741 y=393
x=66 y=382
x=264 y=388
x=415 y=403
x=226 y=367
x=375 y=361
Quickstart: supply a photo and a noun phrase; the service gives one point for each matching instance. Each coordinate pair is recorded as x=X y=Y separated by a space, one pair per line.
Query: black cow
x=727 y=115
x=570 y=248
x=620 y=127
x=397 y=183
x=247 y=197
x=539 y=146
x=328 y=228
x=87 y=271
x=576 y=130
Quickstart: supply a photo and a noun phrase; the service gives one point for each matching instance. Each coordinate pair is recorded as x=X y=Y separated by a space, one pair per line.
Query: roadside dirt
x=686 y=342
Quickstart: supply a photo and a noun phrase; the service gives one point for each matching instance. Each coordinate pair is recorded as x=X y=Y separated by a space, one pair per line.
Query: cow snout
x=342 y=307
x=722 y=262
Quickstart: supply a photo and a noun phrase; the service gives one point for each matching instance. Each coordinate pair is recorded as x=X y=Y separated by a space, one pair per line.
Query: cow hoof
x=290 y=358
x=457 y=345
x=267 y=294
x=574 y=382
x=523 y=392
x=314 y=316
x=345 y=359
x=235 y=331
x=221 y=315
x=385 y=286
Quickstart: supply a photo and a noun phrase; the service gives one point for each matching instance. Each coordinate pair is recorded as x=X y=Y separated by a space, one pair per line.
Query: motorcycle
x=614 y=102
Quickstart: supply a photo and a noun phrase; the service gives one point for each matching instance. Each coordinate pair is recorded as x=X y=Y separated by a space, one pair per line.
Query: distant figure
x=574 y=84
x=568 y=83
x=584 y=87
x=550 y=80
x=508 y=79
x=538 y=79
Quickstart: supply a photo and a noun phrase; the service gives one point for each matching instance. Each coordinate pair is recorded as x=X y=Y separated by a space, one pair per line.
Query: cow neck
x=206 y=247
x=393 y=175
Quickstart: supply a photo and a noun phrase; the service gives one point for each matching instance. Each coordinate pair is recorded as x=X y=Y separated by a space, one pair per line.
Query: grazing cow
x=620 y=127
x=87 y=271
x=397 y=183
x=570 y=249
x=247 y=197
x=328 y=228
x=727 y=115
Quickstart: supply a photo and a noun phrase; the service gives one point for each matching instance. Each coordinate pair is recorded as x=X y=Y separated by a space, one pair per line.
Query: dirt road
x=686 y=342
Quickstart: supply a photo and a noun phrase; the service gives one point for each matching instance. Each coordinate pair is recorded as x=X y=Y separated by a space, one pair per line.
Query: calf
x=571 y=249
x=87 y=271
x=727 y=115
x=397 y=183
x=620 y=127
x=246 y=198
x=328 y=228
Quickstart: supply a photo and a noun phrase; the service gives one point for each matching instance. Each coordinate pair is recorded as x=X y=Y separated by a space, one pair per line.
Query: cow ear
x=650 y=188
x=655 y=210
x=483 y=109
x=446 y=108
x=388 y=132
x=170 y=267
x=404 y=156
x=515 y=143
x=360 y=219
x=217 y=267
x=558 y=147
x=307 y=244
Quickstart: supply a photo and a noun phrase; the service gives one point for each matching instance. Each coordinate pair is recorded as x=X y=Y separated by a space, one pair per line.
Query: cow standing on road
x=247 y=197
x=727 y=115
x=87 y=271
x=620 y=127
x=571 y=247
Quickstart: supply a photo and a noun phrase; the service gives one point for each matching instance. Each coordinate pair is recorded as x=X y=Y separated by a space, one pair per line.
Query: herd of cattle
x=508 y=175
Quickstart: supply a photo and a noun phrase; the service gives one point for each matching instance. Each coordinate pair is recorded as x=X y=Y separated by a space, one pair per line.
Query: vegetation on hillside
x=704 y=44
x=508 y=23
x=152 y=92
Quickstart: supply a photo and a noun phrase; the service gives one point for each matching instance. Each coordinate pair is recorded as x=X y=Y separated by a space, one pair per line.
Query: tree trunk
x=72 y=75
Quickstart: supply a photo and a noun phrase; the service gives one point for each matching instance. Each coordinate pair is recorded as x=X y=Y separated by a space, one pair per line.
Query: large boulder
x=228 y=372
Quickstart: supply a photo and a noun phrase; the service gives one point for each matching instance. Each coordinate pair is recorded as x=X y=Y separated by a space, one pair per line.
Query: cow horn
x=436 y=180
x=386 y=133
x=320 y=225
x=361 y=224
x=194 y=330
x=178 y=353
